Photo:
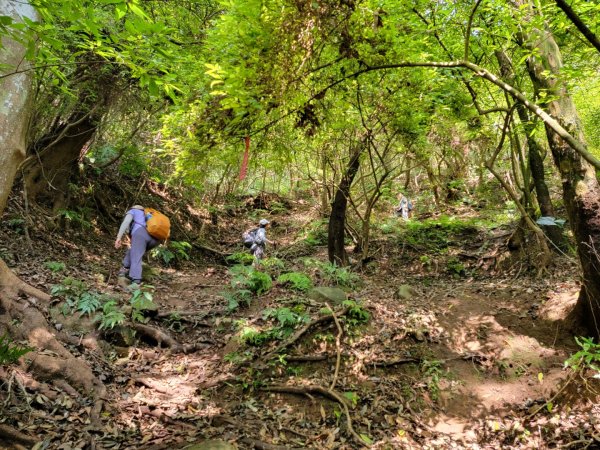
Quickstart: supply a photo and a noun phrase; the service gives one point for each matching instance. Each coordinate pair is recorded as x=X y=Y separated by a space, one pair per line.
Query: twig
x=9 y=389
x=329 y=393
x=394 y=362
x=337 y=347
x=308 y=358
x=530 y=416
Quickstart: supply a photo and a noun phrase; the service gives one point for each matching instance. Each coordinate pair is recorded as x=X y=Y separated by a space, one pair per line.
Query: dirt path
x=481 y=347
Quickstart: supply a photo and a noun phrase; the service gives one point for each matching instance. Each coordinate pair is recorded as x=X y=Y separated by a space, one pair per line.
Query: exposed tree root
x=13 y=285
x=298 y=334
x=308 y=358
x=393 y=362
x=160 y=415
x=328 y=393
x=13 y=436
x=187 y=316
x=337 y=347
x=160 y=337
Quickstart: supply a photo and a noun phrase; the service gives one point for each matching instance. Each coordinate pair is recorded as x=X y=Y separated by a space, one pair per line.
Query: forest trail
x=488 y=343
x=443 y=361
x=493 y=347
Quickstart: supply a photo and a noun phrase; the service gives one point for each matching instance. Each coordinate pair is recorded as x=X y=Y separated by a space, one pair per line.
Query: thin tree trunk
x=337 y=219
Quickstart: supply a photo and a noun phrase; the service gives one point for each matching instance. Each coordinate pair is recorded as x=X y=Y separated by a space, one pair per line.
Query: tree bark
x=337 y=219
x=49 y=175
x=15 y=100
x=581 y=191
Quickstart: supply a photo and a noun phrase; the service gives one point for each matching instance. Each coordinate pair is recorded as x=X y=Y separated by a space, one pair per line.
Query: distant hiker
x=134 y=225
x=404 y=207
x=258 y=241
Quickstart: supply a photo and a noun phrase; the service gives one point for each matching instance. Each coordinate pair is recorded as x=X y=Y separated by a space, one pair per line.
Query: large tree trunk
x=337 y=219
x=581 y=191
x=15 y=100
x=48 y=176
x=50 y=360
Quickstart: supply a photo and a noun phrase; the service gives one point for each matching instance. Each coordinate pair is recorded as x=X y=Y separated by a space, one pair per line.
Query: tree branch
x=582 y=27
x=468 y=32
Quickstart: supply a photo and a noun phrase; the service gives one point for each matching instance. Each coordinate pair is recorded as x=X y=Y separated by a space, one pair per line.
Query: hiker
x=260 y=240
x=134 y=224
x=404 y=207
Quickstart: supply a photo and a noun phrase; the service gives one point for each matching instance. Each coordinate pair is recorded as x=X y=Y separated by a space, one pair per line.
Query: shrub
x=317 y=233
x=333 y=274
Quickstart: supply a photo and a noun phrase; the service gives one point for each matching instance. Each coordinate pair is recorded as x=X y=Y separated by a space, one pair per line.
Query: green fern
x=111 y=316
x=240 y=258
x=88 y=303
x=296 y=280
x=245 y=277
x=55 y=266
x=141 y=300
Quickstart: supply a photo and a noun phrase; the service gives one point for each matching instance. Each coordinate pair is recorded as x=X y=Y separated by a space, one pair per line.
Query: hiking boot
x=123 y=271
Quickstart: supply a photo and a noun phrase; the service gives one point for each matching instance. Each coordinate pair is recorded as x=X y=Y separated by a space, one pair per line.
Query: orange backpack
x=157 y=224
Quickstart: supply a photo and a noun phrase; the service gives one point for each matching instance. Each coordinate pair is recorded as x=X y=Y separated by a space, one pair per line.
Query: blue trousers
x=141 y=242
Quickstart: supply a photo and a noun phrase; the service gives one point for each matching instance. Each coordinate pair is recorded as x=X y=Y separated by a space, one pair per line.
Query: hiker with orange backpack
x=146 y=229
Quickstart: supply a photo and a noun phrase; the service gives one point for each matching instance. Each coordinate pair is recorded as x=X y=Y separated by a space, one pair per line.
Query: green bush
x=55 y=266
x=236 y=297
x=77 y=296
x=357 y=314
x=296 y=280
x=75 y=218
x=586 y=358
x=436 y=235
x=455 y=267
x=111 y=315
x=287 y=320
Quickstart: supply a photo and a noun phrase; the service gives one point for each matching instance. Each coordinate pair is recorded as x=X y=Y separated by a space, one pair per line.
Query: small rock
x=332 y=295
x=405 y=292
